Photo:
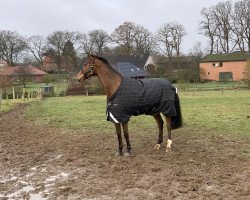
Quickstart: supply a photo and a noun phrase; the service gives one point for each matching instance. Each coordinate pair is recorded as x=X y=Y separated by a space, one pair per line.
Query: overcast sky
x=43 y=17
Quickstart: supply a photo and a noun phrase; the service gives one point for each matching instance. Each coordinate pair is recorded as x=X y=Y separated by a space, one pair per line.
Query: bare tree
x=24 y=74
x=99 y=40
x=57 y=42
x=144 y=40
x=133 y=39
x=169 y=38
x=86 y=45
x=178 y=33
x=222 y=16
x=124 y=36
x=166 y=41
x=196 y=54
x=208 y=27
x=37 y=45
x=197 y=50
x=227 y=27
x=241 y=24
x=11 y=46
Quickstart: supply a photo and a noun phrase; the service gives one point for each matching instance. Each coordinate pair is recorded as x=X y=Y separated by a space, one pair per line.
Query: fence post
x=23 y=94
x=7 y=95
x=13 y=93
x=40 y=96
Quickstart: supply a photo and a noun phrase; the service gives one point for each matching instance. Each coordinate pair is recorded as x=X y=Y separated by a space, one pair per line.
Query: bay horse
x=127 y=97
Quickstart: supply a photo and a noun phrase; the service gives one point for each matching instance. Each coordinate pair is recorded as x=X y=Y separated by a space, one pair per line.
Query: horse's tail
x=176 y=121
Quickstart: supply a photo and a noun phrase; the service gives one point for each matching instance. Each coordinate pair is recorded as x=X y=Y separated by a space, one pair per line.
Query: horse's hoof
x=127 y=154
x=118 y=153
x=157 y=147
x=168 y=150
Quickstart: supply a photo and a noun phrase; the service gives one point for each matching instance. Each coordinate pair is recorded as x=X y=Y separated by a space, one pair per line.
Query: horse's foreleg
x=119 y=136
x=169 y=142
x=126 y=135
x=159 y=121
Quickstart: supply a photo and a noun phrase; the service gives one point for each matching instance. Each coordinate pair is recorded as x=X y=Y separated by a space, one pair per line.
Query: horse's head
x=88 y=69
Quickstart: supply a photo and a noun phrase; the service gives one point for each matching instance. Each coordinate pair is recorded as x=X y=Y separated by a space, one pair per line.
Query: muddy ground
x=38 y=162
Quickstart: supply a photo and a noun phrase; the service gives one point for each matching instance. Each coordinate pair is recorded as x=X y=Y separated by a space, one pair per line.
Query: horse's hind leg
x=169 y=142
x=126 y=135
x=160 y=127
x=119 y=136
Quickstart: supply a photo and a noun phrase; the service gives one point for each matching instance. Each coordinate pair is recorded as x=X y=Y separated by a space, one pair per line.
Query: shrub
x=95 y=87
x=75 y=89
x=48 y=94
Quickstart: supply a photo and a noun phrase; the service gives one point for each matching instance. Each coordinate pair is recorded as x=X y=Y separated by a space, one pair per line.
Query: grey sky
x=43 y=17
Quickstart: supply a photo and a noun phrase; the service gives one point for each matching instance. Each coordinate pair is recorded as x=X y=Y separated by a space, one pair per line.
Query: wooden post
x=13 y=93
x=7 y=95
x=23 y=94
x=40 y=96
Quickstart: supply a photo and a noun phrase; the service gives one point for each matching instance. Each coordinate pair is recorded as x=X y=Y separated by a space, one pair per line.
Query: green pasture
x=209 y=86
x=7 y=105
x=58 y=87
x=204 y=112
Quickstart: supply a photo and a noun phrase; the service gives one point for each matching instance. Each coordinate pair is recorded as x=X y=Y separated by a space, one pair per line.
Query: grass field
x=10 y=104
x=209 y=86
x=58 y=87
x=206 y=112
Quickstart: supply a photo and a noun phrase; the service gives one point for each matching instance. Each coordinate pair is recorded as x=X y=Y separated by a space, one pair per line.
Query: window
x=215 y=64
x=208 y=73
x=221 y=64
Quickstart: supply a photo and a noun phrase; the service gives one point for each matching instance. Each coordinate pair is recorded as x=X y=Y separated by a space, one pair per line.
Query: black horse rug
x=136 y=97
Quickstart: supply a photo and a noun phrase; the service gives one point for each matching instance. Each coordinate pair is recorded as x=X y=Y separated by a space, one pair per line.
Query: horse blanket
x=136 y=97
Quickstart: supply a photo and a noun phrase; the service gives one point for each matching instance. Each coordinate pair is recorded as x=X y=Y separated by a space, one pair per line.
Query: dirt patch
x=38 y=162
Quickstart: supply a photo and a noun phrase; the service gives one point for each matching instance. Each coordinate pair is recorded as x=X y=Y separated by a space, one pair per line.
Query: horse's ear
x=89 y=56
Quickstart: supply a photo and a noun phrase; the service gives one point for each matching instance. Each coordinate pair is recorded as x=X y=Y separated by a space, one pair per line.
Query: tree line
x=128 y=38
x=225 y=25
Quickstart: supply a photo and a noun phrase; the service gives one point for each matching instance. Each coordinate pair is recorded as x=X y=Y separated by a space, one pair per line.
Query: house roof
x=129 y=70
x=31 y=70
x=138 y=60
x=227 y=57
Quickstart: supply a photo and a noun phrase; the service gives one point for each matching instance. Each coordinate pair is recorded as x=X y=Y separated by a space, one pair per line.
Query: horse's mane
x=106 y=62
x=100 y=58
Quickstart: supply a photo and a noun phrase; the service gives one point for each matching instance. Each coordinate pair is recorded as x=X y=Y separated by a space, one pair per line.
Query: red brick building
x=224 y=67
x=32 y=73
